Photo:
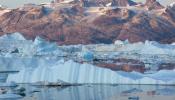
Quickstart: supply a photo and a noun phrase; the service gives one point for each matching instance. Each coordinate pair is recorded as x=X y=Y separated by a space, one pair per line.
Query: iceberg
x=88 y=56
x=13 y=36
x=149 y=47
x=46 y=48
x=76 y=73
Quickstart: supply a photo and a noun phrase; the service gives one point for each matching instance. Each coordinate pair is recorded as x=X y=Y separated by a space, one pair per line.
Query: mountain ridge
x=72 y=23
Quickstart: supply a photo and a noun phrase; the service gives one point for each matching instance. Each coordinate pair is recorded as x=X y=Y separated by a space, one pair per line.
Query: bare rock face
x=22 y=19
x=123 y=3
x=153 y=4
x=145 y=27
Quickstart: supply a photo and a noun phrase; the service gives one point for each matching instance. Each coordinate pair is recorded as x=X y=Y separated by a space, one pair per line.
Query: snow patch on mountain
x=172 y=4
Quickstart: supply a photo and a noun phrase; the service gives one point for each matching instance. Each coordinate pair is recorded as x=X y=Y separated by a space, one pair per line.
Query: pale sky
x=16 y=3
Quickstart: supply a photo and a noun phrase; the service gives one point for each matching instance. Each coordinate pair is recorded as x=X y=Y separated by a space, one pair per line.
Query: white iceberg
x=13 y=36
x=75 y=73
x=46 y=48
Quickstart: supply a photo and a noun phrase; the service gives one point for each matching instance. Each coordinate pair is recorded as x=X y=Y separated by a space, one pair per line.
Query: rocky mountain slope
x=75 y=23
x=153 y=4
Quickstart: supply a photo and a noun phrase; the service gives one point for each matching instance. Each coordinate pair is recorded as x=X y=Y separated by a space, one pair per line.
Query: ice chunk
x=88 y=55
x=119 y=42
x=14 y=36
x=44 y=47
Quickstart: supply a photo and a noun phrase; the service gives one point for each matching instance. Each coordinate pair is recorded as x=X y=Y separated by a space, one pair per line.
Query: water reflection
x=93 y=92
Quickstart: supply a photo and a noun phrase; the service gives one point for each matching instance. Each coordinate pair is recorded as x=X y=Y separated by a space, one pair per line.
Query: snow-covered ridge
x=42 y=61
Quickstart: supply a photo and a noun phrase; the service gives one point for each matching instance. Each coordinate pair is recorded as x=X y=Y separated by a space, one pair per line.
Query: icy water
x=100 y=92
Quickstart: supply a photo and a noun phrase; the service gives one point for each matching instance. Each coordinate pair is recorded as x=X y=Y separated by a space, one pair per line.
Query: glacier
x=43 y=61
